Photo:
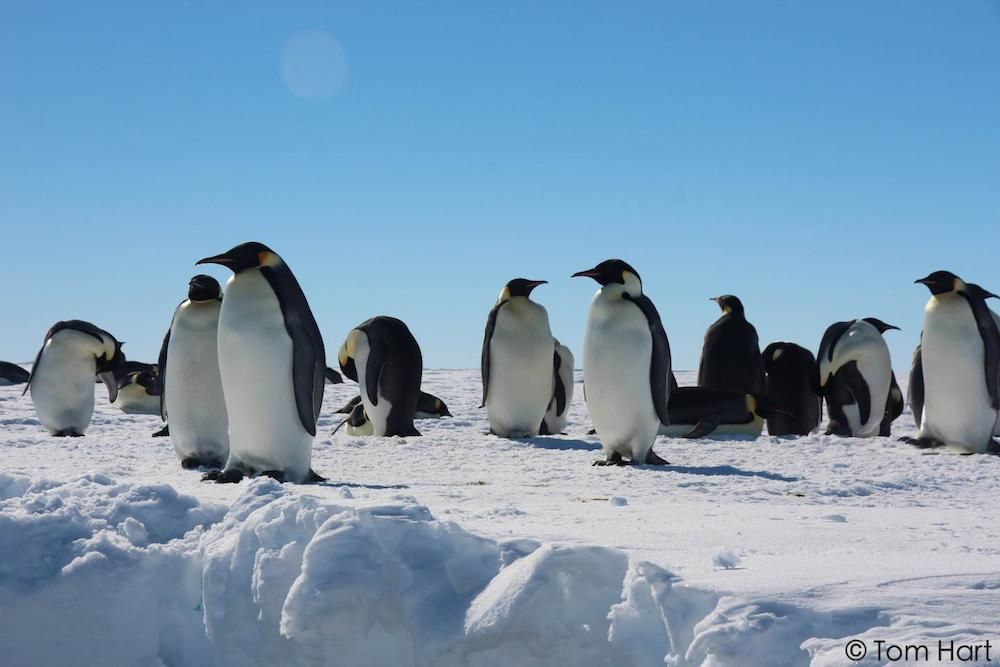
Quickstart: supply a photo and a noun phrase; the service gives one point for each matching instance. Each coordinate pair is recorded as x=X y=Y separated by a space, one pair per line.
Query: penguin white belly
x=863 y=344
x=957 y=408
x=520 y=383
x=616 y=362
x=194 y=400
x=133 y=400
x=378 y=415
x=62 y=388
x=255 y=363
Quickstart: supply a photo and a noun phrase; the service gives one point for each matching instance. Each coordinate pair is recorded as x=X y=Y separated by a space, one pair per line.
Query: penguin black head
x=610 y=271
x=728 y=303
x=880 y=325
x=250 y=255
x=942 y=282
x=520 y=287
x=203 y=288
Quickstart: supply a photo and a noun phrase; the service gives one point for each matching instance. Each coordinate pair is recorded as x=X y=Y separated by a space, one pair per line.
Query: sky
x=409 y=158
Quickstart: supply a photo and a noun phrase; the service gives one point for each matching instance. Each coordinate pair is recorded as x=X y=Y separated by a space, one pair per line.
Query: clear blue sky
x=408 y=158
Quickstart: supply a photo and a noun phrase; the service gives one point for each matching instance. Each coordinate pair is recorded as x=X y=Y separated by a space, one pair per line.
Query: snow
x=460 y=548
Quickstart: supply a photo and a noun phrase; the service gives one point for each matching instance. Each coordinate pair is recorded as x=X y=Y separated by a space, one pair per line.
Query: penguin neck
x=614 y=291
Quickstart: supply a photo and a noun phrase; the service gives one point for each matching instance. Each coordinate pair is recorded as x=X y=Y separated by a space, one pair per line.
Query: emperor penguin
x=139 y=394
x=894 y=405
x=697 y=412
x=383 y=357
x=333 y=377
x=562 y=391
x=429 y=406
x=960 y=360
x=272 y=363
x=855 y=376
x=790 y=385
x=517 y=362
x=626 y=366
x=12 y=374
x=915 y=390
x=62 y=377
x=730 y=356
x=191 y=383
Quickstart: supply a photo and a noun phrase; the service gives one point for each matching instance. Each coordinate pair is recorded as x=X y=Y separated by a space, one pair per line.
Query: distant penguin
x=915 y=391
x=960 y=360
x=697 y=412
x=191 y=383
x=273 y=368
x=333 y=377
x=790 y=386
x=562 y=391
x=855 y=376
x=517 y=360
x=62 y=377
x=626 y=366
x=383 y=357
x=12 y=374
x=128 y=367
x=730 y=357
x=139 y=394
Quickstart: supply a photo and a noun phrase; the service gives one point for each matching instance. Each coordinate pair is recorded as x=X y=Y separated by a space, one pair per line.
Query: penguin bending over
x=62 y=377
x=960 y=364
x=517 y=362
x=383 y=357
x=12 y=374
x=626 y=366
x=139 y=394
x=191 y=393
x=855 y=376
x=730 y=357
x=790 y=386
x=272 y=364
x=562 y=391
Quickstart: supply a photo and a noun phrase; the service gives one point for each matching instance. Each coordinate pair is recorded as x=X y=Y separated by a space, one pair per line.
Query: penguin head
x=880 y=325
x=440 y=408
x=519 y=287
x=729 y=304
x=203 y=288
x=614 y=272
x=347 y=352
x=250 y=255
x=112 y=357
x=942 y=282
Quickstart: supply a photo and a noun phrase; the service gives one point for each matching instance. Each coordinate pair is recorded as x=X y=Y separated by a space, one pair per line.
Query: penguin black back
x=730 y=357
x=790 y=386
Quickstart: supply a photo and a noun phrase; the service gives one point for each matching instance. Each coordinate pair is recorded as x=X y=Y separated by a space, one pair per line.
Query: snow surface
x=459 y=548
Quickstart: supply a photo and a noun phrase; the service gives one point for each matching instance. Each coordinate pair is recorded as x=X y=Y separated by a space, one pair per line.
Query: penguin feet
x=274 y=474
x=654 y=459
x=193 y=462
x=223 y=476
x=613 y=460
x=162 y=433
x=67 y=433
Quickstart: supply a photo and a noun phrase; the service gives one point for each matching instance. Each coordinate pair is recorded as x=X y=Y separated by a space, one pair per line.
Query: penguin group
x=241 y=373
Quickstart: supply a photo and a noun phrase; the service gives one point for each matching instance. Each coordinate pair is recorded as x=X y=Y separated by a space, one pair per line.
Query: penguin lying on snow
x=696 y=412
x=12 y=374
x=626 y=366
x=429 y=406
x=272 y=364
x=855 y=376
x=960 y=364
x=139 y=394
x=62 y=377
x=383 y=357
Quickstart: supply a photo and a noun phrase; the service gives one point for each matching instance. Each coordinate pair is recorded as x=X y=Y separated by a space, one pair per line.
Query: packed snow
x=460 y=548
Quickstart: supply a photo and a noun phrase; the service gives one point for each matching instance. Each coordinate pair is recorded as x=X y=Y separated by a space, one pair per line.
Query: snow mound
x=105 y=573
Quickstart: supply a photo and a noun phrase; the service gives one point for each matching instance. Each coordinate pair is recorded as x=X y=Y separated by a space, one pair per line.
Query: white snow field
x=462 y=549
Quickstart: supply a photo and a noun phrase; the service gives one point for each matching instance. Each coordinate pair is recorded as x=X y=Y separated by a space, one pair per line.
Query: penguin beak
x=889 y=326
x=923 y=281
x=108 y=378
x=589 y=273
x=535 y=283
x=223 y=259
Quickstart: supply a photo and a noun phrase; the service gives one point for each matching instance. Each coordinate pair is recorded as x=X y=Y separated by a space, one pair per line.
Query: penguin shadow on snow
x=729 y=471
x=559 y=444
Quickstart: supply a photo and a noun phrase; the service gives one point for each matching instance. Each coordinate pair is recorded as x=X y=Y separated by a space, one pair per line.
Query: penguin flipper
x=491 y=324
x=991 y=344
x=34 y=367
x=659 y=366
x=559 y=390
x=162 y=433
x=915 y=393
x=855 y=383
x=704 y=426
x=161 y=374
x=374 y=367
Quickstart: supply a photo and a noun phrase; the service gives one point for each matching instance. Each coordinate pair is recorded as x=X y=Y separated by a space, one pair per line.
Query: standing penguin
x=383 y=357
x=562 y=391
x=517 y=362
x=190 y=383
x=62 y=377
x=960 y=359
x=730 y=357
x=139 y=394
x=272 y=364
x=626 y=366
x=855 y=376
x=790 y=386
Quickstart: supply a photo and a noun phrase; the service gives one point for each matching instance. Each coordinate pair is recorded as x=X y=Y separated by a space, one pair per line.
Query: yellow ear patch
x=959 y=284
x=726 y=310
x=628 y=275
x=349 y=347
x=777 y=353
x=267 y=258
x=504 y=295
x=751 y=404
